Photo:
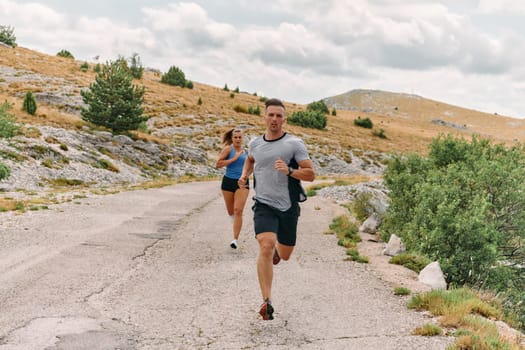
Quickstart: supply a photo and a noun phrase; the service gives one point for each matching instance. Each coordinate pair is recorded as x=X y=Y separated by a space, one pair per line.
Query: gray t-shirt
x=271 y=186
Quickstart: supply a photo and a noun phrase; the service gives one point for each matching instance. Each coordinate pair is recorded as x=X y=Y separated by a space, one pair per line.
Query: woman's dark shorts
x=284 y=224
x=230 y=185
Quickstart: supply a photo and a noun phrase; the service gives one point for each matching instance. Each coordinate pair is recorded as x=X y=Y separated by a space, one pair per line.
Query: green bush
x=225 y=88
x=4 y=171
x=463 y=205
x=308 y=119
x=318 y=106
x=113 y=101
x=7 y=35
x=84 y=67
x=29 y=103
x=175 y=76
x=364 y=123
x=189 y=84
x=135 y=66
x=8 y=127
x=254 y=110
x=379 y=133
x=65 y=53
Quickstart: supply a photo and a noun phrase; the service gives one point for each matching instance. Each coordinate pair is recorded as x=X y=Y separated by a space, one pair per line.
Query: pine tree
x=29 y=103
x=113 y=101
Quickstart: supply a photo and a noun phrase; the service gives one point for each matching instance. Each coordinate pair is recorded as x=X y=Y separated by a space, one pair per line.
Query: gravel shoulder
x=153 y=270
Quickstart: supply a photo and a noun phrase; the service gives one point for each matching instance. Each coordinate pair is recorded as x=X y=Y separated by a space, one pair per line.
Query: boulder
x=432 y=276
x=394 y=246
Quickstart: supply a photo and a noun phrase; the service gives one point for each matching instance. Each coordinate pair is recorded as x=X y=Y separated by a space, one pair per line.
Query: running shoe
x=234 y=244
x=266 y=310
x=276 y=257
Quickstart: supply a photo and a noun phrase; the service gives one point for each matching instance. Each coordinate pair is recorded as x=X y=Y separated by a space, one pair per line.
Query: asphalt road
x=153 y=269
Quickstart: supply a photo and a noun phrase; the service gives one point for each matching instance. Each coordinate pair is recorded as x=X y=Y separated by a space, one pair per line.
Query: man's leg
x=264 y=262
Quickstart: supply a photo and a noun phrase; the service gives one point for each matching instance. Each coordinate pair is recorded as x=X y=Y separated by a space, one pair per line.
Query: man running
x=275 y=214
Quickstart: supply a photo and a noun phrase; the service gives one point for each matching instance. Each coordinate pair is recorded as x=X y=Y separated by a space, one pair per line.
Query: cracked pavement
x=152 y=269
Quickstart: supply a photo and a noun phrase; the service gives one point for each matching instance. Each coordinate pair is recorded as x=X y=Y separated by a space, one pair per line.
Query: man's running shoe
x=276 y=257
x=234 y=244
x=266 y=310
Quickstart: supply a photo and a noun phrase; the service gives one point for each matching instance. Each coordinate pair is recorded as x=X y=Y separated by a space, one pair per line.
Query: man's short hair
x=274 y=102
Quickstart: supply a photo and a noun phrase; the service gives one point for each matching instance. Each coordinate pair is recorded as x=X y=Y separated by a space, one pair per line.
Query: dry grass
x=408 y=128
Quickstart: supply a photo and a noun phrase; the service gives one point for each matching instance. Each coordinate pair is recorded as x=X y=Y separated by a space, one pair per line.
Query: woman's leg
x=228 y=201
x=239 y=202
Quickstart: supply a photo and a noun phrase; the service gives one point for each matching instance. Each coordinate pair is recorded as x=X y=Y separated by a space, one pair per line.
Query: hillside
x=183 y=137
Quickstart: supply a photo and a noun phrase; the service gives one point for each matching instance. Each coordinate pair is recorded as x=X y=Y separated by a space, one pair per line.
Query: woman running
x=232 y=157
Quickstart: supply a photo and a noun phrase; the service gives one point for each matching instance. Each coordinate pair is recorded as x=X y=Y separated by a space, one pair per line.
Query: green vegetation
x=364 y=123
x=411 y=261
x=8 y=129
x=175 y=76
x=463 y=206
x=469 y=313
x=29 y=104
x=135 y=66
x=4 y=171
x=348 y=237
x=7 y=35
x=113 y=101
x=379 y=133
x=8 y=126
x=401 y=291
x=314 y=117
x=65 y=53
x=428 y=330
x=84 y=67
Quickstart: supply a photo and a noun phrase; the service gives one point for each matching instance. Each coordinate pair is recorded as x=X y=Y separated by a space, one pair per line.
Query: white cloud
x=514 y=7
x=303 y=50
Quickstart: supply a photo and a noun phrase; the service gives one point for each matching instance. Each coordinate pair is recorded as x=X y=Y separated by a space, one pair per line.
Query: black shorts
x=284 y=224
x=231 y=185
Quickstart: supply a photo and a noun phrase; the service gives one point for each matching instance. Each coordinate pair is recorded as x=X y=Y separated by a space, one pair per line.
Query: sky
x=468 y=53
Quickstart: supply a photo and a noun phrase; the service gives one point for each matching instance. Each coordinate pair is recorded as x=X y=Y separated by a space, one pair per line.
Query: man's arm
x=305 y=172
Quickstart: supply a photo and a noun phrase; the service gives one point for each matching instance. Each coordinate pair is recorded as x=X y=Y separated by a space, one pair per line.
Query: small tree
x=364 y=123
x=7 y=35
x=113 y=101
x=65 y=53
x=135 y=66
x=174 y=76
x=29 y=103
x=8 y=127
x=318 y=106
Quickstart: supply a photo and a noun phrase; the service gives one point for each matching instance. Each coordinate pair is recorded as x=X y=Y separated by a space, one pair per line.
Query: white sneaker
x=234 y=244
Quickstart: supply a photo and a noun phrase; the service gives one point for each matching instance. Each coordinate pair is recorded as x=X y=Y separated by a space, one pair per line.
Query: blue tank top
x=234 y=170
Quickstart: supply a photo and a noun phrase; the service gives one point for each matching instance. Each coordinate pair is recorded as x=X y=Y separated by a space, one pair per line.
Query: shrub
x=4 y=171
x=379 y=133
x=318 y=106
x=135 y=66
x=240 y=109
x=175 y=76
x=189 y=84
x=463 y=205
x=254 y=110
x=410 y=261
x=225 y=88
x=364 y=123
x=308 y=119
x=8 y=127
x=7 y=35
x=113 y=101
x=84 y=67
x=97 y=68
x=65 y=53
x=334 y=113
x=29 y=103
x=199 y=101
x=236 y=90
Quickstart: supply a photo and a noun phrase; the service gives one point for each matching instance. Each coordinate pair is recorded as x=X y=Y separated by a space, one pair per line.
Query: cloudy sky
x=464 y=52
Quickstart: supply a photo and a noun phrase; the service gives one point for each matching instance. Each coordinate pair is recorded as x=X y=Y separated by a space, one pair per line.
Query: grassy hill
x=408 y=121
